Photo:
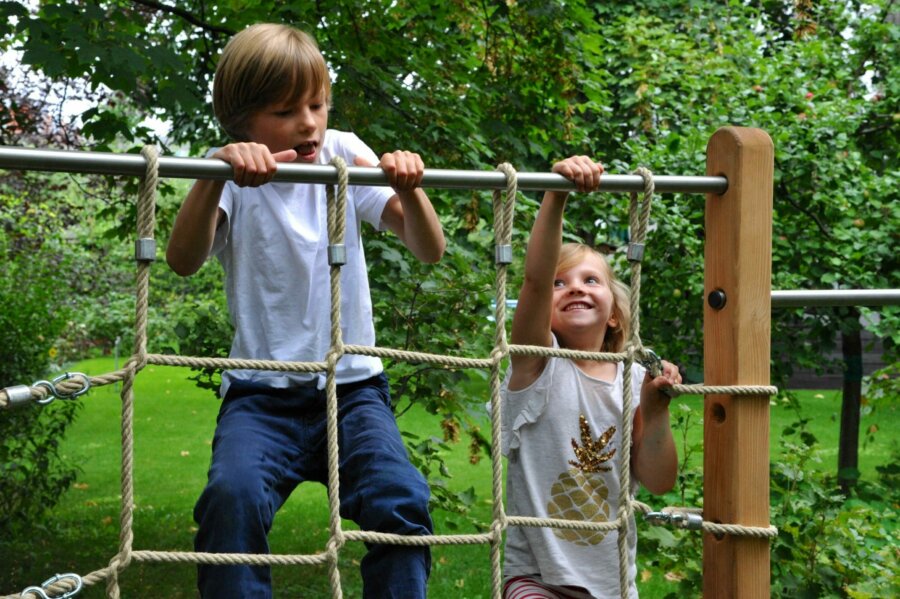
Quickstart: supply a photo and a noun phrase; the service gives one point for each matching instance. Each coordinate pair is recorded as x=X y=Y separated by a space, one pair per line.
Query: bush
x=827 y=545
x=32 y=474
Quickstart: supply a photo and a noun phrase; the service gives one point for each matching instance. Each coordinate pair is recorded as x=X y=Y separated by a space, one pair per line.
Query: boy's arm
x=195 y=225
x=409 y=214
x=654 y=459
x=531 y=320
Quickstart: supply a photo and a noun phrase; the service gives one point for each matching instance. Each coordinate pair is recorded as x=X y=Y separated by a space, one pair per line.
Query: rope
x=504 y=207
x=336 y=217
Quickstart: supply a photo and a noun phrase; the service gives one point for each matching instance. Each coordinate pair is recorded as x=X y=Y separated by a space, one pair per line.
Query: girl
x=562 y=419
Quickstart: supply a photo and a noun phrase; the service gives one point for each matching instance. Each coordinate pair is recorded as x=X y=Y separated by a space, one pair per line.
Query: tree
x=469 y=85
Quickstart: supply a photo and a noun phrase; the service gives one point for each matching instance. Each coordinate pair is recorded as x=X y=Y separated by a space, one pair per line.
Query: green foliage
x=828 y=545
x=32 y=477
x=469 y=85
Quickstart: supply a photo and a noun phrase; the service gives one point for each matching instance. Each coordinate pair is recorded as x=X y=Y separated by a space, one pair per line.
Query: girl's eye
x=558 y=283
x=593 y=280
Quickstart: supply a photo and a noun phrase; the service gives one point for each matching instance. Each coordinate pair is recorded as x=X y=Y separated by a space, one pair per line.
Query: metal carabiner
x=657 y=518
x=85 y=384
x=650 y=361
x=40 y=591
x=54 y=393
x=51 y=392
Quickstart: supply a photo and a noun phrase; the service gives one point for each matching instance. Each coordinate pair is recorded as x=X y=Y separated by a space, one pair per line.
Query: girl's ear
x=613 y=322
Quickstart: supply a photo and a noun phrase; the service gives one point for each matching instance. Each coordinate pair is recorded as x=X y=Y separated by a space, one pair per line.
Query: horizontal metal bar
x=797 y=298
x=108 y=163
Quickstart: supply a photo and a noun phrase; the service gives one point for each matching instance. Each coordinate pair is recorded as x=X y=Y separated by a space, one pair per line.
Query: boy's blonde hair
x=571 y=254
x=262 y=65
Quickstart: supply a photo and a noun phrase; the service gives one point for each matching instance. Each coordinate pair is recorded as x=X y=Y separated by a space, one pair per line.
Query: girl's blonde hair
x=262 y=65
x=573 y=253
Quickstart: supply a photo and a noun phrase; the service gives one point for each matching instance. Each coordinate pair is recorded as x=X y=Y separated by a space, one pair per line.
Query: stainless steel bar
x=108 y=163
x=797 y=298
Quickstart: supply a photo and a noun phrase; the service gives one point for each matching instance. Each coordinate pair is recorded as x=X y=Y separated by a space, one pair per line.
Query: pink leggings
x=531 y=587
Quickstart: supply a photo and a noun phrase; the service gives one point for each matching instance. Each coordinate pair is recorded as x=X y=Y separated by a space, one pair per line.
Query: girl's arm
x=531 y=320
x=410 y=214
x=654 y=460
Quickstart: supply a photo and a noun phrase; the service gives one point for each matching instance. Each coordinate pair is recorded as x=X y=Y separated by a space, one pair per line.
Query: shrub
x=32 y=474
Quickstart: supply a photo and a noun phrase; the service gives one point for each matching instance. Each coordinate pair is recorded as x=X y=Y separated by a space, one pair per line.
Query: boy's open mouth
x=306 y=149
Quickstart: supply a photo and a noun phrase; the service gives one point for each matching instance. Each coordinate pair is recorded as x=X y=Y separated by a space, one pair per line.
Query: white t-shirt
x=273 y=247
x=539 y=426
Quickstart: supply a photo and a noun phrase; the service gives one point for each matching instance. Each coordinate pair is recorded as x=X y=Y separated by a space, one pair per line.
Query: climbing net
x=69 y=386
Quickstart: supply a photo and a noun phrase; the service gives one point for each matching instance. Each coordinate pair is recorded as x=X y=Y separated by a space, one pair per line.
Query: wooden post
x=737 y=350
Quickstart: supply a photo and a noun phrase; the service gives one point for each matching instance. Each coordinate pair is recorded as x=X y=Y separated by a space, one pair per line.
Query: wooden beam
x=737 y=343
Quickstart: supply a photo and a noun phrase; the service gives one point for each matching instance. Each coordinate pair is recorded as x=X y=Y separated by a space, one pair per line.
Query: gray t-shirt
x=273 y=247
x=540 y=424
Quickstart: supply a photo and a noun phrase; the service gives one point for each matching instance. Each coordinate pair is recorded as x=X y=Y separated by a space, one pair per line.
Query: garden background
x=467 y=85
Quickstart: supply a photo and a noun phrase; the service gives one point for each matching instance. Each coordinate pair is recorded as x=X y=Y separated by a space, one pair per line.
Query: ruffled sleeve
x=524 y=406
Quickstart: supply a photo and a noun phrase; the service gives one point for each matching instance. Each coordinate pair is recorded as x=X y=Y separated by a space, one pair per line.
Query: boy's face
x=298 y=125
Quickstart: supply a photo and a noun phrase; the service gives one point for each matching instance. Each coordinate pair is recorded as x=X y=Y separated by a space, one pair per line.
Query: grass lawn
x=174 y=424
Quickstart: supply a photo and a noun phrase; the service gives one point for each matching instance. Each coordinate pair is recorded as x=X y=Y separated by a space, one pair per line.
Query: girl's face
x=582 y=299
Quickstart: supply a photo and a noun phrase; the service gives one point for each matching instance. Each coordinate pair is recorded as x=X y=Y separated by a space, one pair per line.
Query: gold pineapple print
x=580 y=492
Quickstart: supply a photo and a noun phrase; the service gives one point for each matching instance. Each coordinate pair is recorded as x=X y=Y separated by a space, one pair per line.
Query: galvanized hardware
x=635 y=252
x=18 y=395
x=650 y=361
x=55 y=393
x=337 y=254
x=41 y=590
x=686 y=521
x=653 y=364
x=145 y=249
x=717 y=299
x=503 y=254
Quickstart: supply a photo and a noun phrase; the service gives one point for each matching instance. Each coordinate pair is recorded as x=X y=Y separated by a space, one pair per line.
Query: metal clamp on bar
x=337 y=254
x=503 y=254
x=145 y=249
x=41 y=590
x=635 y=252
x=687 y=521
x=18 y=395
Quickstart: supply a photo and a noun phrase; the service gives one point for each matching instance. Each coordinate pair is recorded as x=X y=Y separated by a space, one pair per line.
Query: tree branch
x=185 y=15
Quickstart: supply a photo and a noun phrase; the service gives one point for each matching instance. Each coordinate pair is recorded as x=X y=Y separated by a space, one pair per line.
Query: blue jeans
x=268 y=441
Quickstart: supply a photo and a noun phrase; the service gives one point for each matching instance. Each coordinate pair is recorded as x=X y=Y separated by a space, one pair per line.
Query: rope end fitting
x=503 y=254
x=337 y=254
x=145 y=249
x=17 y=395
x=686 y=521
x=635 y=252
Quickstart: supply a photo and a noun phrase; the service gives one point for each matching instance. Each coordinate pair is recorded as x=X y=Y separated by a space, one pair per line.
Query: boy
x=272 y=94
